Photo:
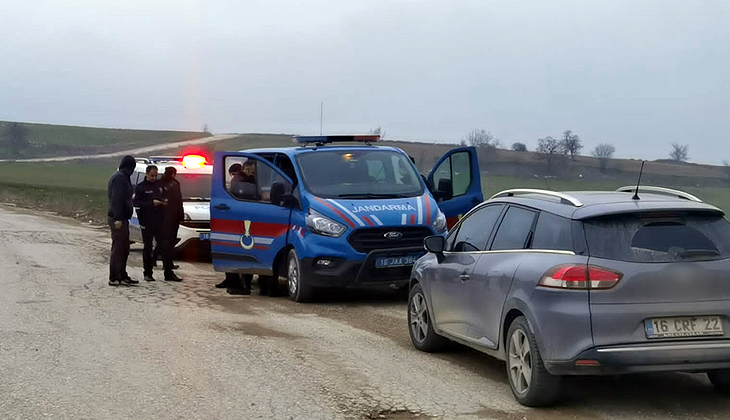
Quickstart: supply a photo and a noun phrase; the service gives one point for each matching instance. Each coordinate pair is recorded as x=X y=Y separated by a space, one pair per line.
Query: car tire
x=532 y=385
x=721 y=380
x=297 y=285
x=420 y=324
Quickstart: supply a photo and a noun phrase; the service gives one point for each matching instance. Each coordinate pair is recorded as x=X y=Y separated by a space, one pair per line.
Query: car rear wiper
x=371 y=195
x=696 y=253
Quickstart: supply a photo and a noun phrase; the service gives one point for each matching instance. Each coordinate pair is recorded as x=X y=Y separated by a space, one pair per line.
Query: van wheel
x=299 y=290
x=532 y=385
x=420 y=323
x=721 y=380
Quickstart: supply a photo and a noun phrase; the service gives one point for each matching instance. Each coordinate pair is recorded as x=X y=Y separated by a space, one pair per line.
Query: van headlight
x=439 y=223
x=322 y=225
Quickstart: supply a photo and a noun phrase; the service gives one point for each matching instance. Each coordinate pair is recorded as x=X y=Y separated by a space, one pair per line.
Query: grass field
x=57 y=140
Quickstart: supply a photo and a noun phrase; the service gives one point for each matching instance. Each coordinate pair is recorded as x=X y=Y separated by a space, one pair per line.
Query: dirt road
x=143 y=151
x=72 y=347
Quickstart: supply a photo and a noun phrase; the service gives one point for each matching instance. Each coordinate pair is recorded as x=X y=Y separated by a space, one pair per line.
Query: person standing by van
x=120 y=211
x=174 y=214
x=150 y=200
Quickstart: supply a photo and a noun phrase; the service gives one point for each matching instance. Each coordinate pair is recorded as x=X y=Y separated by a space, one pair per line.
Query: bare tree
x=482 y=138
x=206 y=129
x=519 y=147
x=604 y=152
x=571 y=144
x=679 y=152
x=378 y=131
x=16 y=137
x=462 y=143
x=549 y=149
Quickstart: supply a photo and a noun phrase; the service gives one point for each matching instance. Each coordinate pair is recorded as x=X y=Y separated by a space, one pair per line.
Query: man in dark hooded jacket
x=120 y=211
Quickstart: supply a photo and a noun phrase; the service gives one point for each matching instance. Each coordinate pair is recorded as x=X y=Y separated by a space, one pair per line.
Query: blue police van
x=333 y=211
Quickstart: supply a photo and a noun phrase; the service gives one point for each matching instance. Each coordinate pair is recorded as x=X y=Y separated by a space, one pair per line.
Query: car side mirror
x=435 y=244
x=445 y=190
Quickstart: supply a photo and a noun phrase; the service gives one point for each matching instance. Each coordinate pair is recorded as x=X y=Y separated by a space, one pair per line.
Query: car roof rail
x=661 y=190
x=564 y=198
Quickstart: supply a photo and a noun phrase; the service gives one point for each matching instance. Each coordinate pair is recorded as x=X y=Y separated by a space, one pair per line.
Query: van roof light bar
x=322 y=140
x=564 y=198
x=661 y=190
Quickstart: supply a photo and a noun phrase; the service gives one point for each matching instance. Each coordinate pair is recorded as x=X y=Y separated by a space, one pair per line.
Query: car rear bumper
x=647 y=357
x=359 y=273
x=186 y=235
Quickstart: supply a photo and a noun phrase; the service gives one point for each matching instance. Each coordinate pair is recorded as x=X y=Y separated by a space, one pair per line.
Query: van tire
x=297 y=285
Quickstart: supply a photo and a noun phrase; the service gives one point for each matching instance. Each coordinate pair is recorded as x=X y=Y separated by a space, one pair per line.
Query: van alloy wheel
x=293 y=278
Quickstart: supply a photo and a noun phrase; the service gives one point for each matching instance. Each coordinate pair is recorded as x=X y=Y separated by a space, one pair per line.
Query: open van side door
x=249 y=214
x=456 y=183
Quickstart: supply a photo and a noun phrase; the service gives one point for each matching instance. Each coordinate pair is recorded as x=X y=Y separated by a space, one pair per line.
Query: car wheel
x=420 y=324
x=532 y=385
x=299 y=290
x=721 y=380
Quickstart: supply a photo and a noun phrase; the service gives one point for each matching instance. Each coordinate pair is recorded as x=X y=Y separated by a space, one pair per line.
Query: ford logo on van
x=392 y=235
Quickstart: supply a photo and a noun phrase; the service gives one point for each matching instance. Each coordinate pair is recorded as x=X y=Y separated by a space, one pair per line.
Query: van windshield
x=359 y=174
x=195 y=187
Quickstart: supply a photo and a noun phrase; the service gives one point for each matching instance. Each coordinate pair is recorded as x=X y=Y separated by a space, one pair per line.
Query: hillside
x=45 y=140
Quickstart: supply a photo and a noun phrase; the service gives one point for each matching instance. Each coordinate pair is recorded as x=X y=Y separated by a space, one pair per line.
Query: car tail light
x=193 y=161
x=579 y=276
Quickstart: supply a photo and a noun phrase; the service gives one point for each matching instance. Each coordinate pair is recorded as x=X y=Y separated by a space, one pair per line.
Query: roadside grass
x=84 y=204
x=84 y=174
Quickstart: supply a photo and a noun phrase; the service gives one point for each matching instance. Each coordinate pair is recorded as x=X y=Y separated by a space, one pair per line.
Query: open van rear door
x=456 y=183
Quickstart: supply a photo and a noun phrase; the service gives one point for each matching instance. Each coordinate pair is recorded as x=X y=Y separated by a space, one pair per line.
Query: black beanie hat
x=128 y=162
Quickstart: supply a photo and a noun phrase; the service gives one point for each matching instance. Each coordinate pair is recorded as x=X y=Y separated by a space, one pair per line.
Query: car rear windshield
x=667 y=238
x=359 y=174
x=195 y=186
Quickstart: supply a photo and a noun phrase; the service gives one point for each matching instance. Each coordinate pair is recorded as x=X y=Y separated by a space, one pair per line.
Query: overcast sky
x=637 y=74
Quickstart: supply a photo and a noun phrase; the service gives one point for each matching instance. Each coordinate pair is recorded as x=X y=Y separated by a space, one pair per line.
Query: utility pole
x=321 y=109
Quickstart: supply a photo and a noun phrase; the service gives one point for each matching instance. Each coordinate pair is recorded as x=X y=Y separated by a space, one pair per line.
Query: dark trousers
x=151 y=234
x=120 y=250
x=169 y=230
x=239 y=281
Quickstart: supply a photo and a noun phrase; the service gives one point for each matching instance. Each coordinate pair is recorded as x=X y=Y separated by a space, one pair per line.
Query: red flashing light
x=193 y=161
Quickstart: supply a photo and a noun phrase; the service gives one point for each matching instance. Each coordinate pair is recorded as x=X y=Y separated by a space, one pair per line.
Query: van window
x=456 y=168
x=476 y=229
x=514 y=230
x=553 y=232
x=253 y=180
x=658 y=239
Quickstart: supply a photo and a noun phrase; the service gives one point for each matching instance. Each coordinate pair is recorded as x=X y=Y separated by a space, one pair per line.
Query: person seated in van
x=232 y=172
x=243 y=184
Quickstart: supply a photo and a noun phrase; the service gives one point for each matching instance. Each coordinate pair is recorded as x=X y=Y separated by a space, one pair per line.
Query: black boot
x=230 y=280
x=246 y=280
x=238 y=291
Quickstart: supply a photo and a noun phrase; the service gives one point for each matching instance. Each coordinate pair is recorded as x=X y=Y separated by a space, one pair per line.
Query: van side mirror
x=435 y=244
x=445 y=190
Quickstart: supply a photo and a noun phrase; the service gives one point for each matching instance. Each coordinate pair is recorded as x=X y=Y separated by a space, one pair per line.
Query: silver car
x=584 y=283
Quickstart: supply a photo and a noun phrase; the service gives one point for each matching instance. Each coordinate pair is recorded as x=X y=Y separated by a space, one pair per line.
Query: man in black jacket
x=174 y=213
x=149 y=198
x=120 y=211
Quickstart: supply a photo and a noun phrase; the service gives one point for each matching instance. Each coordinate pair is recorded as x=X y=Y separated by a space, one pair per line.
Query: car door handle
x=464 y=277
x=222 y=206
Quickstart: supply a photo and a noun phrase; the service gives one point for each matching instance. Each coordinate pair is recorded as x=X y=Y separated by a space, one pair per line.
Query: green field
x=717 y=196
x=58 y=140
